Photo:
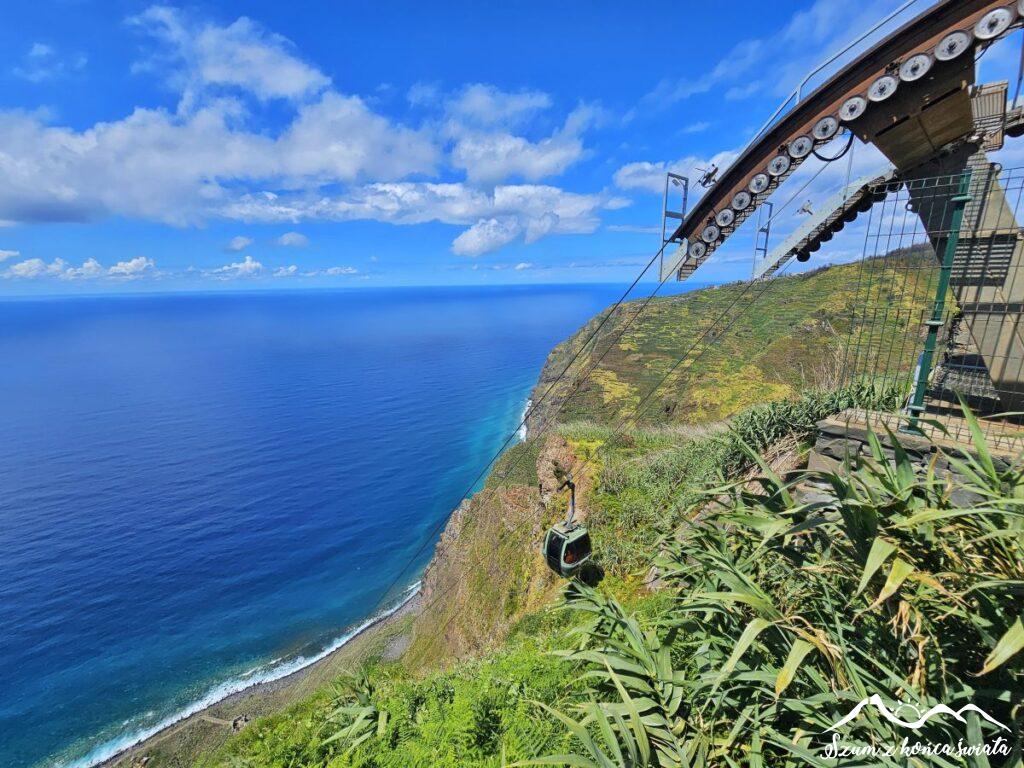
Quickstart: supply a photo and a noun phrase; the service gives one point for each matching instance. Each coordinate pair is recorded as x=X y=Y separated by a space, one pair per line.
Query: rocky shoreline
x=205 y=730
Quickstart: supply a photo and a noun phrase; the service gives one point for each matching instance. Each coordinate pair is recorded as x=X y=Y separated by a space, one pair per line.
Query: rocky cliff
x=487 y=570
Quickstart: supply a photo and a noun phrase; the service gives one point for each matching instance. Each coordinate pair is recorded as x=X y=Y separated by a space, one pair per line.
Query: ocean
x=198 y=492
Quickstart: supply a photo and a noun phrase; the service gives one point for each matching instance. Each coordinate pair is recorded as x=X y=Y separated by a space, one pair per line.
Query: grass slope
x=780 y=342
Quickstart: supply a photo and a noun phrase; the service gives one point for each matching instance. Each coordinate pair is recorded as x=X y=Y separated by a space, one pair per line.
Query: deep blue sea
x=201 y=491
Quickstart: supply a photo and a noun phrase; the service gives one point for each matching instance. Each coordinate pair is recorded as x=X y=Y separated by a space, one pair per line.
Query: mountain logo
x=939 y=709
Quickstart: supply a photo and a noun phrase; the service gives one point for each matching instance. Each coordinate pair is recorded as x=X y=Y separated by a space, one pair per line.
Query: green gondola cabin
x=567 y=548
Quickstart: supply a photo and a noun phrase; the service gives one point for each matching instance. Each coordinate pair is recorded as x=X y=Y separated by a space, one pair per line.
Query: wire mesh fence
x=939 y=301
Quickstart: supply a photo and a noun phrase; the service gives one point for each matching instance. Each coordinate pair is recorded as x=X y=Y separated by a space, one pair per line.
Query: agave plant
x=354 y=717
x=639 y=725
x=901 y=583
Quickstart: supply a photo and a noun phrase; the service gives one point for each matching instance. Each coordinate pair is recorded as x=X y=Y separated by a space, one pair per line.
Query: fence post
x=924 y=368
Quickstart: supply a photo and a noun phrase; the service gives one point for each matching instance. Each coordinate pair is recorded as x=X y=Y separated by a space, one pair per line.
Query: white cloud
x=4 y=255
x=241 y=55
x=487 y=235
x=247 y=268
x=141 y=267
x=808 y=37
x=340 y=139
x=483 y=123
x=26 y=269
x=650 y=176
x=176 y=168
x=293 y=271
x=643 y=175
x=743 y=92
x=495 y=218
x=89 y=270
x=523 y=265
x=486 y=105
x=698 y=127
x=423 y=94
x=293 y=240
x=239 y=243
x=492 y=156
x=333 y=157
x=42 y=63
x=132 y=269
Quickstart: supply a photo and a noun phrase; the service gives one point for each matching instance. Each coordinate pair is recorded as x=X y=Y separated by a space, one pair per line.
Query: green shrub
x=649 y=481
x=788 y=615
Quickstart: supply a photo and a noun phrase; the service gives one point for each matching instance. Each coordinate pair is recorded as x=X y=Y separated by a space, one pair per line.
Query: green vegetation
x=465 y=717
x=774 y=612
x=642 y=480
x=651 y=477
x=786 y=615
x=797 y=337
x=776 y=618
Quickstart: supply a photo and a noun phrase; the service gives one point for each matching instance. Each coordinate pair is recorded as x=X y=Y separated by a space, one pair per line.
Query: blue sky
x=163 y=147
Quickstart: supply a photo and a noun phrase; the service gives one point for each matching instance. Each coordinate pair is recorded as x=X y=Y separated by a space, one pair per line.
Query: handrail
x=798 y=91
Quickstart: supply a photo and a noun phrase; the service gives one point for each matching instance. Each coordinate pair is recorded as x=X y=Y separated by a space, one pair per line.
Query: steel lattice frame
x=899 y=302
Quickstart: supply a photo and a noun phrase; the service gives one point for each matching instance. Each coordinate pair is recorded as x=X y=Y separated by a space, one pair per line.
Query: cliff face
x=487 y=570
x=550 y=393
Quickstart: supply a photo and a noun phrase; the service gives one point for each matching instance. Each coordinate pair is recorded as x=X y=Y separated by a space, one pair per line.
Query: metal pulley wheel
x=759 y=183
x=779 y=165
x=883 y=88
x=952 y=45
x=993 y=24
x=742 y=199
x=800 y=147
x=710 y=233
x=852 y=108
x=725 y=217
x=697 y=250
x=915 y=67
x=828 y=126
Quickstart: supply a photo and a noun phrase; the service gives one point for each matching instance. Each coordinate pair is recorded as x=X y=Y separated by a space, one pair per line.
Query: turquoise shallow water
x=201 y=491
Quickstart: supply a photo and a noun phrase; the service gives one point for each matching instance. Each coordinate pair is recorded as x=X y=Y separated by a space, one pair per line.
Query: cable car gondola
x=567 y=544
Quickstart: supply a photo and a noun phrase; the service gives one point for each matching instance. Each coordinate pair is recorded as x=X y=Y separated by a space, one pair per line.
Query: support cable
x=641 y=406
x=529 y=412
x=579 y=382
x=842 y=153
